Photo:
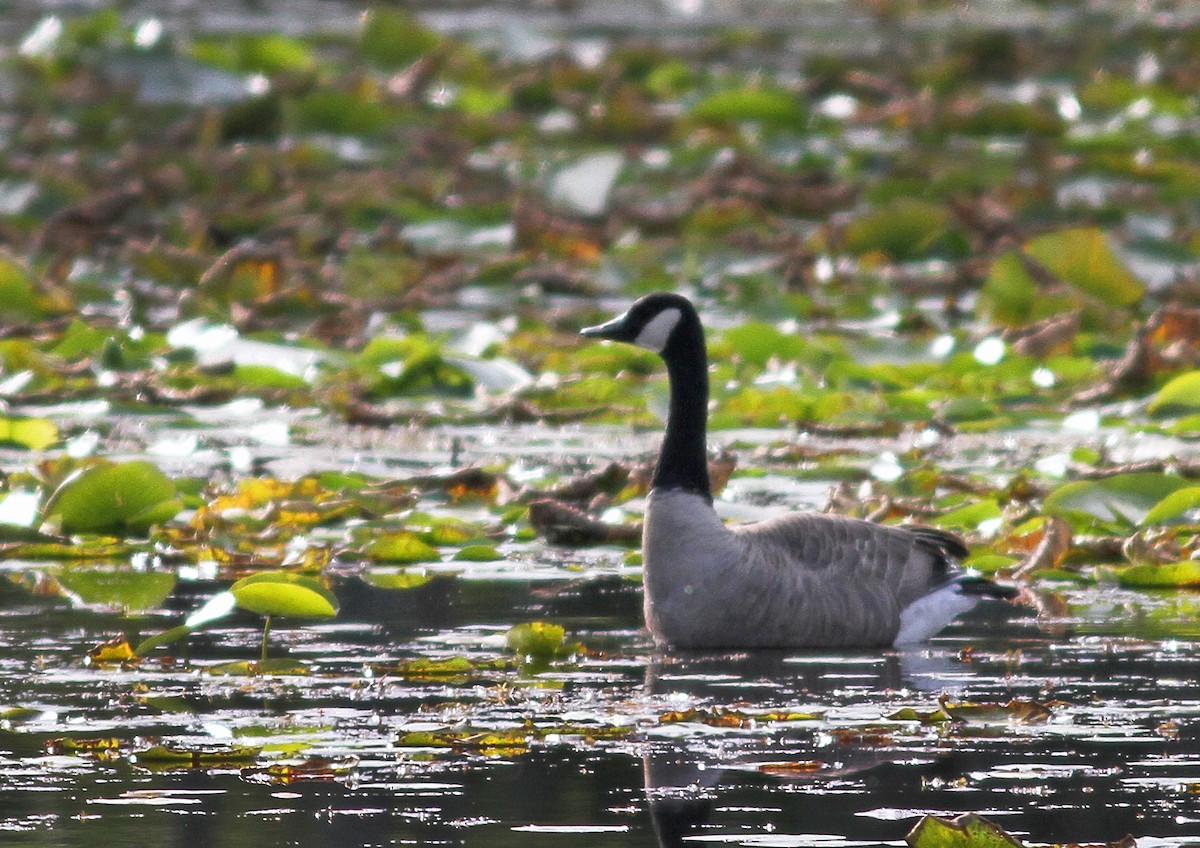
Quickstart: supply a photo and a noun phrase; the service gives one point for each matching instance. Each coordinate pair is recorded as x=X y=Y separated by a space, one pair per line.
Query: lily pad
x=114 y=497
x=966 y=831
x=1124 y=499
x=905 y=228
x=401 y=546
x=130 y=590
x=1151 y=576
x=765 y=105
x=285 y=594
x=1173 y=506
x=31 y=433
x=1084 y=258
x=1180 y=395
x=537 y=639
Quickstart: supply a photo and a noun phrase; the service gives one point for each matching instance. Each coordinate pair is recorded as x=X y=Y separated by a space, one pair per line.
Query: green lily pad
x=1124 y=499
x=478 y=553
x=1173 y=506
x=401 y=546
x=1179 y=395
x=766 y=105
x=392 y=38
x=966 y=831
x=131 y=590
x=18 y=296
x=114 y=497
x=285 y=594
x=259 y=668
x=31 y=433
x=905 y=228
x=268 y=377
x=196 y=756
x=1170 y=576
x=538 y=639
x=1083 y=258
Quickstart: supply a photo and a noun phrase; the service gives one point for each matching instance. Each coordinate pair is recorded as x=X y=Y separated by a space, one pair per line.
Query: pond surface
x=787 y=748
x=1069 y=718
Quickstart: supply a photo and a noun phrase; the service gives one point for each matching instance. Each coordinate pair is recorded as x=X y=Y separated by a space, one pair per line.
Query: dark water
x=1117 y=755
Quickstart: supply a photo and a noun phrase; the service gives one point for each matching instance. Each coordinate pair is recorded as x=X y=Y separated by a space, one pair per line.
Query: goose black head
x=654 y=322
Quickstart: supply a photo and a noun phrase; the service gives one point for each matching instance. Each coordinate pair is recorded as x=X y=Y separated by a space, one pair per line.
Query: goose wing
x=848 y=554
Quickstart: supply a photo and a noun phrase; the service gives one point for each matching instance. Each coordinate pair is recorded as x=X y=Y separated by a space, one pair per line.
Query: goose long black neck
x=683 y=460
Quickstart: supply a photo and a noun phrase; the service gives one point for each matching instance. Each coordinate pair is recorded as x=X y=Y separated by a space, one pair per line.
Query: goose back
x=801 y=579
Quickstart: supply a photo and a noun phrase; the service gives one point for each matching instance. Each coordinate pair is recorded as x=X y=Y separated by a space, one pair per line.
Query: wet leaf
x=196 y=756
x=263 y=668
x=448 y=667
x=17 y=715
x=114 y=651
x=1016 y=711
x=108 y=496
x=285 y=594
x=313 y=768
x=937 y=716
x=478 y=553
x=538 y=639
x=966 y=831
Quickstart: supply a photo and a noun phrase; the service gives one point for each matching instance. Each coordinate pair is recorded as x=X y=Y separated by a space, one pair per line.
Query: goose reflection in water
x=837 y=769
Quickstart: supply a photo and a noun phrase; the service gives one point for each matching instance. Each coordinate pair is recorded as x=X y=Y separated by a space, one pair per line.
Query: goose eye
x=657 y=332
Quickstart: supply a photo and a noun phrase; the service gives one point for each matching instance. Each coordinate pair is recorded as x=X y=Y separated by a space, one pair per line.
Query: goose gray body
x=800 y=580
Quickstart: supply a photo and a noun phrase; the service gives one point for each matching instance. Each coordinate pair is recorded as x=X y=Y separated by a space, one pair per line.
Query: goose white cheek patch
x=657 y=330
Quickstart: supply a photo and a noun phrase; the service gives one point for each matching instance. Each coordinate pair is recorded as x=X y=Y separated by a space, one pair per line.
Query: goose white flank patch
x=803 y=580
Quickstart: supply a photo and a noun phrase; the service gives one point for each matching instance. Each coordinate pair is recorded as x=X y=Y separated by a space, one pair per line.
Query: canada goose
x=797 y=581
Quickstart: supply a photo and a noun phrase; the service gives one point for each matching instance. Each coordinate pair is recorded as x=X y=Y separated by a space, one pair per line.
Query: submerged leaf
x=131 y=590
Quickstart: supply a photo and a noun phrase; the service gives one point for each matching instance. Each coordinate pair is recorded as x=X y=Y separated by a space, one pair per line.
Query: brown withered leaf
x=463 y=484
x=874 y=736
x=1016 y=711
x=1042 y=338
x=1055 y=544
x=562 y=524
x=720 y=469
x=797 y=767
x=608 y=481
x=1152 y=547
x=314 y=768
